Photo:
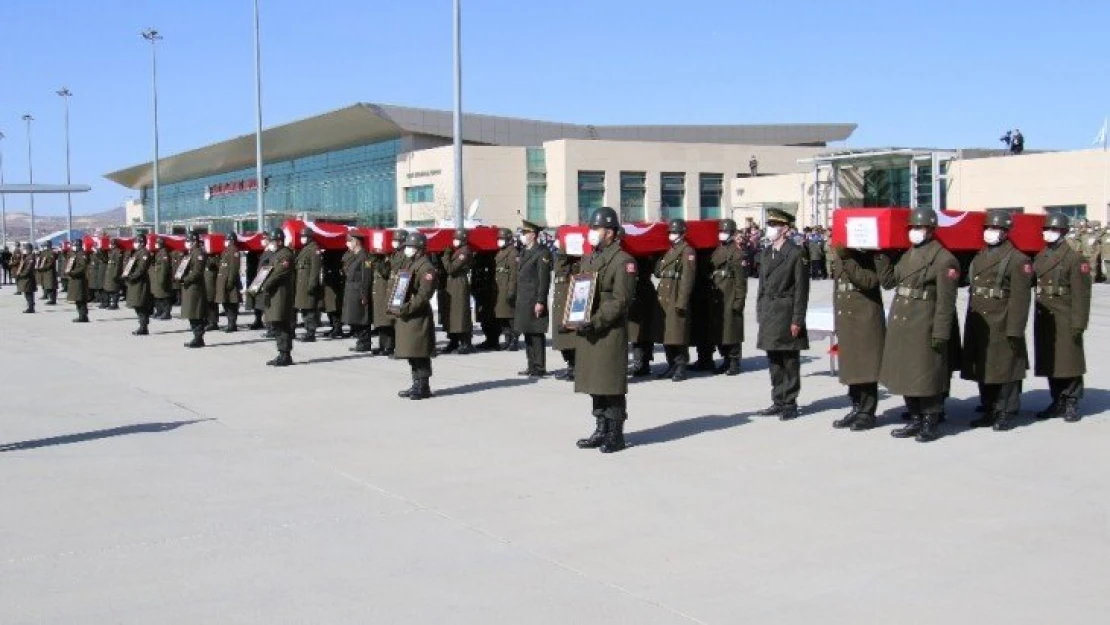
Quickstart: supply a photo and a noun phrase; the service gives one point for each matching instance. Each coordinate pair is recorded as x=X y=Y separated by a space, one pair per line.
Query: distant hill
x=19 y=224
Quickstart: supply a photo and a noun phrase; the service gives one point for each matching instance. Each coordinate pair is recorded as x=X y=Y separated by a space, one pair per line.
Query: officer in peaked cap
x=781 y=305
x=532 y=290
x=602 y=347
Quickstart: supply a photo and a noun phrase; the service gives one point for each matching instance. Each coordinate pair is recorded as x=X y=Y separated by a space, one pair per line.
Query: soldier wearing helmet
x=602 y=348
x=1063 y=307
x=502 y=298
x=278 y=289
x=994 y=350
x=410 y=304
x=137 y=280
x=113 y=268
x=677 y=271
x=228 y=284
x=194 y=299
x=454 y=296
x=25 y=277
x=920 y=343
x=727 y=293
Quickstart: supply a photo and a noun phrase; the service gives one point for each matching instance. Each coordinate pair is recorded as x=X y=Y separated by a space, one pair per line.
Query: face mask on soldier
x=410 y=252
x=674 y=236
x=594 y=237
x=917 y=236
x=992 y=236
x=1051 y=236
x=723 y=237
x=774 y=232
x=502 y=243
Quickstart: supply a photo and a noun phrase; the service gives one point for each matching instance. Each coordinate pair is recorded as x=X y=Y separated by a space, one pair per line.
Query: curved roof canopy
x=363 y=123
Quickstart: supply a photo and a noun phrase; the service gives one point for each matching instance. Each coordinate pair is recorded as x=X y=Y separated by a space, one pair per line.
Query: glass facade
x=884 y=188
x=711 y=187
x=421 y=194
x=672 y=195
x=536 y=199
x=591 y=193
x=361 y=181
x=1072 y=211
x=633 y=187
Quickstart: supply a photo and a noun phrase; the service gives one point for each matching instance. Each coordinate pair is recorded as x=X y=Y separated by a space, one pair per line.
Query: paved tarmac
x=145 y=483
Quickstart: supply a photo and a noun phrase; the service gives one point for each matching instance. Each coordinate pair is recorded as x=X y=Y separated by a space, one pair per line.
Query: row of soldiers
x=1092 y=241
x=43 y=270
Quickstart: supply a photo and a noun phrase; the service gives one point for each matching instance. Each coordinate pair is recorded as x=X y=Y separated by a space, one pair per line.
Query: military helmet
x=726 y=225
x=140 y=239
x=1000 y=219
x=1057 y=221
x=620 y=232
x=231 y=236
x=28 y=246
x=277 y=234
x=923 y=217
x=605 y=217
x=417 y=240
x=505 y=234
x=195 y=236
x=676 y=226
x=460 y=234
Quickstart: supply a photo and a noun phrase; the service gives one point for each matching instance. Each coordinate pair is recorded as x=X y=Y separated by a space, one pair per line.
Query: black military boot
x=640 y=366
x=270 y=332
x=198 y=340
x=1055 y=409
x=1071 y=410
x=987 y=420
x=614 y=433
x=863 y=422
x=114 y=303
x=597 y=438
x=284 y=359
x=465 y=346
x=422 y=389
x=257 y=323
x=452 y=345
x=789 y=412
x=1004 y=422
x=514 y=343
x=666 y=373
x=142 y=331
x=929 y=430
x=408 y=392
x=679 y=372
x=911 y=429
x=771 y=410
x=733 y=367
x=232 y=322
x=53 y=301
x=848 y=419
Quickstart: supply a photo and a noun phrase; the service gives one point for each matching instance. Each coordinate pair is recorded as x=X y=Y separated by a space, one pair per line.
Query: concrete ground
x=145 y=483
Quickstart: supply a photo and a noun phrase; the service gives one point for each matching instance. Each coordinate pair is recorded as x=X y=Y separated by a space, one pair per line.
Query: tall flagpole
x=259 y=180
x=457 y=26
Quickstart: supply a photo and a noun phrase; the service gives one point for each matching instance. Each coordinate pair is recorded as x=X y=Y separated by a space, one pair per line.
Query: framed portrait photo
x=182 y=267
x=580 y=300
x=400 y=291
x=259 y=278
x=130 y=265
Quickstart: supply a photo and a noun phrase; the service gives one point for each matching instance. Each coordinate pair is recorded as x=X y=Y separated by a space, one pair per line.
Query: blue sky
x=948 y=74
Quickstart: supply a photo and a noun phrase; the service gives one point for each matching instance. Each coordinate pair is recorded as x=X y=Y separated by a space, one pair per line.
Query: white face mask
x=273 y=247
x=458 y=243
x=410 y=252
x=674 y=236
x=557 y=245
x=992 y=236
x=501 y=243
x=351 y=245
x=774 y=232
x=189 y=245
x=917 y=237
x=1051 y=236
x=396 y=245
x=594 y=237
x=723 y=237
x=304 y=241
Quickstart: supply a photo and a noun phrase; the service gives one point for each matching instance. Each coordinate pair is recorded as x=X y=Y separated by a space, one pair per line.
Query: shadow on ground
x=477 y=387
x=686 y=428
x=318 y=361
x=84 y=437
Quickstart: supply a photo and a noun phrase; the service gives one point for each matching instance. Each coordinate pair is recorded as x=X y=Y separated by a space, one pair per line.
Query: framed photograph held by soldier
x=130 y=265
x=259 y=278
x=580 y=300
x=69 y=263
x=182 y=267
x=400 y=291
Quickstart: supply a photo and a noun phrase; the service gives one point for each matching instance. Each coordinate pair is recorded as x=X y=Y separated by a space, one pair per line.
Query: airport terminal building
x=381 y=165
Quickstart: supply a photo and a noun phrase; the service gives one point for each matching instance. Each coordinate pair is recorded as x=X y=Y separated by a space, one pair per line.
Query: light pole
x=66 y=94
x=458 y=117
x=153 y=37
x=30 y=173
x=3 y=199
x=258 y=121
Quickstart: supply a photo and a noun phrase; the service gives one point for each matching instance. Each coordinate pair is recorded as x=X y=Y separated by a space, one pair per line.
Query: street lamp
x=153 y=37
x=30 y=173
x=66 y=94
x=3 y=199
x=258 y=122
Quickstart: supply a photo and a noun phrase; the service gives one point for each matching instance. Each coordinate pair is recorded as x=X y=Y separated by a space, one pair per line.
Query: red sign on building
x=230 y=188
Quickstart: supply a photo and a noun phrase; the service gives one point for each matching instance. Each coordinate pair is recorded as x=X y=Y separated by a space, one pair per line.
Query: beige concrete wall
x=749 y=196
x=497 y=176
x=1032 y=182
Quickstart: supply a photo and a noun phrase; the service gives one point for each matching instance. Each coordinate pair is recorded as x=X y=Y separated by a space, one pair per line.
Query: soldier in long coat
x=563 y=339
x=228 y=283
x=113 y=269
x=47 y=265
x=781 y=305
x=17 y=258
x=727 y=294
x=918 y=349
x=532 y=290
x=642 y=315
x=860 y=323
x=994 y=350
x=194 y=297
x=454 y=297
x=176 y=256
x=310 y=287
x=677 y=272
x=1063 y=307
x=502 y=298
x=256 y=300
x=358 y=292
x=211 y=271
x=602 y=350
x=415 y=325
x=137 y=279
x=333 y=287
x=96 y=273
x=25 y=277
x=387 y=335
x=161 y=280
x=279 y=289
x=78 y=292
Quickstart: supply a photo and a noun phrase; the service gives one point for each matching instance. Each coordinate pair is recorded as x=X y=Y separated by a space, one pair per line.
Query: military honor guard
x=860 y=324
x=727 y=294
x=502 y=301
x=358 y=287
x=565 y=267
x=532 y=289
x=211 y=272
x=46 y=265
x=642 y=315
x=454 y=298
x=1063 y=307
x=228 y=283
x=410 y=304
x=113 y=270
x=194 y=299
x=918 y=349
x=333 y=287
x=387 y=335
x=781 y=306
x=77 y=270
x=310 y=287
x=676 y=271
x=136 y=277
x=161 y=280
x=279 y=290
x=25 y=277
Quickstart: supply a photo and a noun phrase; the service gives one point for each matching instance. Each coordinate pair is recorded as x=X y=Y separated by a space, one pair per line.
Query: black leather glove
x=1015 y=343
x=585 y=329
x=939 y=346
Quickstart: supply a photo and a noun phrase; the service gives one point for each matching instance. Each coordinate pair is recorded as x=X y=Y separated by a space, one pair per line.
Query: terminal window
x=711 y=186
x=536 y=207
x=420 y=195
x=591 y=193
x=633 y=186
x=1071 y=211
x=672 y=195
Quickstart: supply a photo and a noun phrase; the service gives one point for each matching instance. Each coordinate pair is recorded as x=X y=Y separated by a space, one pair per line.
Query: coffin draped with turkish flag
x=888 y=229
x=330 y=236
x=642 y=239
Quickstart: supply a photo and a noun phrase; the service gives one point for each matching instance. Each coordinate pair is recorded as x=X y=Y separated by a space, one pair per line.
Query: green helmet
x=727 y=225
x=1000 y=219
x=677 y=226
x=605 y=217
x=505 y=234
x=1057 y=221
x=417 y=240
x=400 y=236
x=460 y=234
x=923 y=217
